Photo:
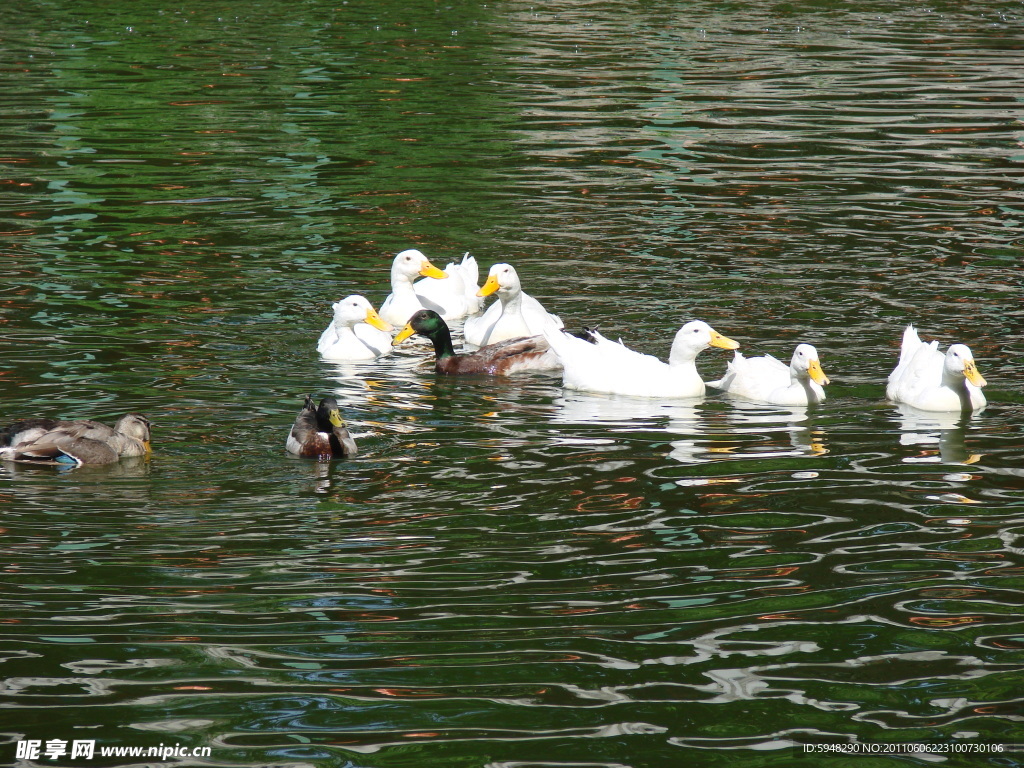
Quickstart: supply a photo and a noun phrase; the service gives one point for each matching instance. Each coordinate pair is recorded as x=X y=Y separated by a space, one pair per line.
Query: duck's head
x=960 y=362
x=356 y=309
x=500 y=277
x=410 y=264
x=135 y=425
x=695 y=336
x=426 y=322
x=328 y=415
x=805 y=363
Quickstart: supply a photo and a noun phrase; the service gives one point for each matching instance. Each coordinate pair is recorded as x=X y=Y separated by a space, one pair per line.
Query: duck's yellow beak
x=147 y=447
x=971 y=372
x=403 y=334
x=723 y=342
x=335 y=418
x=429 y=270
x=489 y=287
x=375 y=320
x=817 y=374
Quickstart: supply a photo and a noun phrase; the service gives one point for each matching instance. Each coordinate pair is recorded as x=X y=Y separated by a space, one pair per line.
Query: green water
x=511 y=575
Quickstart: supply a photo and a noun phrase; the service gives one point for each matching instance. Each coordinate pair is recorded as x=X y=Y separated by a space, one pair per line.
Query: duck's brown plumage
x=82 y=441
x=319 y=432
x=501 y=359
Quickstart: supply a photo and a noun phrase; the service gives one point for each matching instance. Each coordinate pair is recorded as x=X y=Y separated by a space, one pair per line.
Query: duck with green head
x=531 y=353
x=319 y=432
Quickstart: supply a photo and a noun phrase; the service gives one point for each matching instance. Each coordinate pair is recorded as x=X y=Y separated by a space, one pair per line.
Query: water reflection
x=583 y=408
x=942 y=436
x=805 y=439
x=131 y=466
x=706 y=432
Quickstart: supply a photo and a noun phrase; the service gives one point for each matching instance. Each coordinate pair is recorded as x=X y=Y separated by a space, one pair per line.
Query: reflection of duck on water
x=750 y=435
x=945 y=431
x=805 y=439
x=584 y=407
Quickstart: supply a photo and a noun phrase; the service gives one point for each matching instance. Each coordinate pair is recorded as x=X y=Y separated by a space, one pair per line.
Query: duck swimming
x=928 y=380
x=456 y=297
x=75 y=442
x=504 y=358
x=515 y=314
x=768 y=380
x=319 y=432
x=356 y=333
x=600 y=365
x=403 y=301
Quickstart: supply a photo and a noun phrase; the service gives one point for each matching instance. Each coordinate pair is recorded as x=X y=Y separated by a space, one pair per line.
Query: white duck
x=403 y=301
x=927 y=380
x=768 y=380
x=356 y=332
x=455 y=297
x=514 y=314
x=612 y=367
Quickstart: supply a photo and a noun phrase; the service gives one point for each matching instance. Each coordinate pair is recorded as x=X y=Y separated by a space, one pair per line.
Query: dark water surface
x=511 y=575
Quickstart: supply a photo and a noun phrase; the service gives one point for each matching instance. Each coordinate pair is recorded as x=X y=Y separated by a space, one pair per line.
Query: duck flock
x=515 y=334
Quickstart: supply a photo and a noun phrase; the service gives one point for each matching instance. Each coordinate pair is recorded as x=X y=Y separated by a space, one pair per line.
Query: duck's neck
x=958 y=383
x=682 y=357
x=401 y=283
x=345 y=330
x=511 y=302
x=442 y=340
x=802 y=379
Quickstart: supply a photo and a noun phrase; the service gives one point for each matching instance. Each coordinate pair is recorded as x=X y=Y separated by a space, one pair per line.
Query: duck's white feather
x=454 y=297
x=403 y=301
x=929 y=380
x=612 y=367
x=769 y=380
x=349 y=336
x=514 y=314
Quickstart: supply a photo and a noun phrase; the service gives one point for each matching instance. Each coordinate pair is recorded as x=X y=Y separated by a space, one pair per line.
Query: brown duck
x=319 y=432
x=75 y=442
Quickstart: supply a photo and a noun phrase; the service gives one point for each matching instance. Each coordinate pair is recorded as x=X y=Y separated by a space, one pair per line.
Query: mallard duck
x=403 y=301
x=612 y=367
x=515 y=313
x=927 y=380
x=356 y=332
x=456 y=297
x=768 y=380
x=75 y=442
x=319 y=432
x=503 y=358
